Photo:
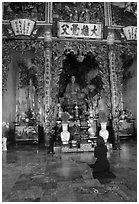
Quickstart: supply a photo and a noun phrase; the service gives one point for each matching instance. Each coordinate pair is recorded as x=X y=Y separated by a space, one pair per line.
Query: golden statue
x=72 y=89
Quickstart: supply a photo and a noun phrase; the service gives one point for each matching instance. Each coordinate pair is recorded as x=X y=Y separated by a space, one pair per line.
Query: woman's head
x=100 y=141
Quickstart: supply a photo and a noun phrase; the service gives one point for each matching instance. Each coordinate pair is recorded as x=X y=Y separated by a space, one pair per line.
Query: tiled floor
x=31 y=175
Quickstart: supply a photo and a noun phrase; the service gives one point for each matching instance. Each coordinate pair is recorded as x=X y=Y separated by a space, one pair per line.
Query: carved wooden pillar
x=112 y=71
x=113 y=80
x=107 y=12
x=114 y=93
x=47 y=72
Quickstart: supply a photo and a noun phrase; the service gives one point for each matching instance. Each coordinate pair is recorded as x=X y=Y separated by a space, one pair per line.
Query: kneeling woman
x=100 y=152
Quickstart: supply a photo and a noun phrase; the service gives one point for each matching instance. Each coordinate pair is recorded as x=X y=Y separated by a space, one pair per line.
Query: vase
x=104 y=132
x=92 y=129
x=65 y=135
x=91 y=132
x=4 y=143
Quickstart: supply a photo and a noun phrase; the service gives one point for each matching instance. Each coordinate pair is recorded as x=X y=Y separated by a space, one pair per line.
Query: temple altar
x=81 y=105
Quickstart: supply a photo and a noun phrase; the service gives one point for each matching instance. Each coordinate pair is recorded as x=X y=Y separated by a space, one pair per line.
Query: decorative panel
x=31 y=10
x=130 y=32
x=24 y=133
x=80 y=30
x=79 y=11
x=22 y=26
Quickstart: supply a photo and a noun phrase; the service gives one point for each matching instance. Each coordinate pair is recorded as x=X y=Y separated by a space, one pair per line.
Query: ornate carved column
x=107 y=12
x=47 y=71
x=113 y=80
x=112 y=71
x=113 y=86
x=48 y=12
x=114 y=94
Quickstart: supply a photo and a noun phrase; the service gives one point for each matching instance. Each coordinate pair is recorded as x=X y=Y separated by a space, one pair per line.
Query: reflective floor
x=31 y=175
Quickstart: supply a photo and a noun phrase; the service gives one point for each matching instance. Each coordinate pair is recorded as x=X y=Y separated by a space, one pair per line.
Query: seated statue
x=72 y=89
x=73 y=98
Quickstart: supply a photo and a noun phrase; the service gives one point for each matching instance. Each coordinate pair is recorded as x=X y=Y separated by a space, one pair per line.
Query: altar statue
x=72 y=89
x=31 y=95
x=21 y=104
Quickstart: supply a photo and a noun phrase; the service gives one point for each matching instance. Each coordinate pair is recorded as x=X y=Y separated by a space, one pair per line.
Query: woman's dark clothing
x=111 y=137
x=40 y=134
x=51 y=144
x=102 y=163
x=101 y=168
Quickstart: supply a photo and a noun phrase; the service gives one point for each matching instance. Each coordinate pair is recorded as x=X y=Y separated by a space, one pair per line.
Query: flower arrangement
x=102 y=116
x=65 y=117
